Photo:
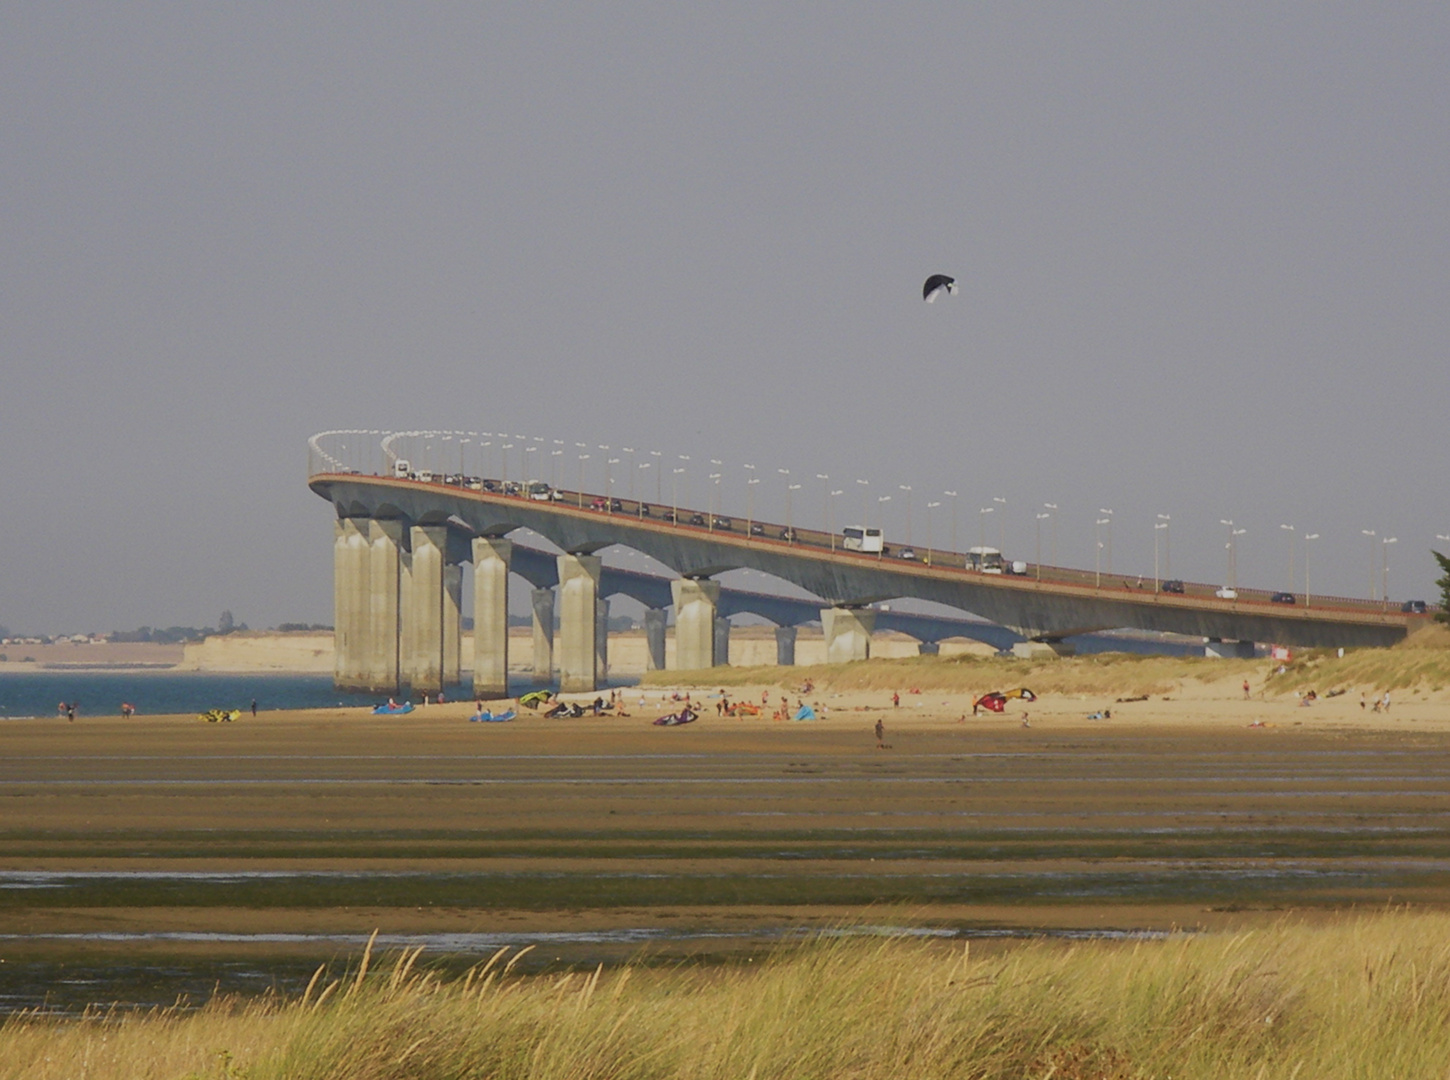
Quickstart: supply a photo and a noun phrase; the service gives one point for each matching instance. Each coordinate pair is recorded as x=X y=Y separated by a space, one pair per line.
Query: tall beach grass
x=1368 y=996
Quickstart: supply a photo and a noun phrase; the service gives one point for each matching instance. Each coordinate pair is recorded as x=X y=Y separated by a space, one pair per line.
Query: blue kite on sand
x=489 y=717
x=392 y=708
x=805 y=712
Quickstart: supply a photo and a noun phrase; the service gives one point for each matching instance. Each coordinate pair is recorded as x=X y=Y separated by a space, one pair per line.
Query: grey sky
x=1203 y=257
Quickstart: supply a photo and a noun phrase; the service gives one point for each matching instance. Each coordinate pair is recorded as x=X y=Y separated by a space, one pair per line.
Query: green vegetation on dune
x=1365 y=997
x=1420 y=662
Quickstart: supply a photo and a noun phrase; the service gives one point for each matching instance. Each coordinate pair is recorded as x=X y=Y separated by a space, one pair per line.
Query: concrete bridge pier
x=720 y=652
x=452 y=623
x=1219 y=649
x=601 y=641
x=491 y=559
x=542 y=601
x=1042 y=650
x=785 y=645
x=654 y=638
x=579 y=622
x=350 y=600
x=848 y=633
x=928 y=648
x=697 y=601
x=386 y=541
x=423 y=613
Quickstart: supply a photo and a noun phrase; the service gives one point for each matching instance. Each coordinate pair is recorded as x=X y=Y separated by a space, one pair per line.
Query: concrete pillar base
x=386 y=542
x=928 y=648
x=601 y=641
x=654 y=638
x=542 y=601
x=1042 y=650
x=423 y=617
x=696 y=602
x=848 y=633
x=491 y=559
x=721 y=645
x=785 y=645
x=452 y=624
x=579 y=623
x=351 y=600
x=1229 y=650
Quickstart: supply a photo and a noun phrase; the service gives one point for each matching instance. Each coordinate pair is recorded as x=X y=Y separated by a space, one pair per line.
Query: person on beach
x=1246 y=689
x=70 y=711
x=895 y=700
x=254 y=708
x=880 y=734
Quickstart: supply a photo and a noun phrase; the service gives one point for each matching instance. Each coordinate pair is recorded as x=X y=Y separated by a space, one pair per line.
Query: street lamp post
x=1001 y=524
x=864 y=485
x=504 y=450
x=714 y=496
x=982 y=536
x=1233 y=557
x=953 y=496
x=1157 y=525
x=929 y=508
x=1385 y=581
x=1372 y=560
x=830 y=529
x=675 y=495
x=1229 y=547
x=582 y=459
x=609 y=464
x=750 y=504
x=1167 y=544
x=554 y=456
x=907 y=488
x=630 y=451
x=1290 y=530
x=659 y=475
x=1307 y=537
x=1052 y=509
x=639 y=504
x=1040 y=518
x=789 y=514
x=825 y=500
x=1109 y=515
x=881 y=510
x=1098 y=552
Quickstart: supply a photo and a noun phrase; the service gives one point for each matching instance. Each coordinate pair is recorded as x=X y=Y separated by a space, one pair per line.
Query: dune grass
x=1113 y=674
x=1420 y=663
x=1367 y=996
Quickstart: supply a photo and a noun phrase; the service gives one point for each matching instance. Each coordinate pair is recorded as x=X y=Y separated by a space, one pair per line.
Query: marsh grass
x=1366 y=997
x=1421 y=662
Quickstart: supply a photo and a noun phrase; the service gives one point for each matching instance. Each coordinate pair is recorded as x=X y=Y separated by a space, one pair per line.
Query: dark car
x=757 y=529
x=616 y=506
x=697 y=519
x=789 y=534
x=1282 y=598
x=644 y=510
x=1414 y=607
x=1173 y=586
x=669 y=514
x=723 y=522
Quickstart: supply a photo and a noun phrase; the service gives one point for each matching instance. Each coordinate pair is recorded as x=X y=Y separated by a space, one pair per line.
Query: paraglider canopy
x=936 y=285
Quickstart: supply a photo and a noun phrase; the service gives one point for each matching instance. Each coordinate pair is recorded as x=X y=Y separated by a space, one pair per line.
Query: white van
x=401 y=468
x=860 y=538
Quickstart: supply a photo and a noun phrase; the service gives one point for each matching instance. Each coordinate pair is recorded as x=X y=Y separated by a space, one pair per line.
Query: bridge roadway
x=1047 y=604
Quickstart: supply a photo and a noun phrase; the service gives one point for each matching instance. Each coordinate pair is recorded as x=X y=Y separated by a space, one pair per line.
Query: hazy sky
x=1202 y=250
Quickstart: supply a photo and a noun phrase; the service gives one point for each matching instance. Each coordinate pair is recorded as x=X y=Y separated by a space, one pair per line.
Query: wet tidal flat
x=284 y=839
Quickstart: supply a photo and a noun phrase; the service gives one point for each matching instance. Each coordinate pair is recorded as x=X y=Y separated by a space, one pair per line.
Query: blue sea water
x=100 y=693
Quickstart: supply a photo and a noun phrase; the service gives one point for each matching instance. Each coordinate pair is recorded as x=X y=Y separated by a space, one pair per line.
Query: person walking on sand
x=880 y=734
x=895 y=700
x=254 y=708
x=1025 y=721
x=1385 y=701
x=1246 y=689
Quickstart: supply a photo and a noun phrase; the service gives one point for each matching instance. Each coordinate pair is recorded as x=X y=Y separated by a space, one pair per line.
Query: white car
x=1226 y=593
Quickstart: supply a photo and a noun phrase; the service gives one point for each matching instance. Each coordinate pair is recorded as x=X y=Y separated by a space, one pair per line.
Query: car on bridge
x=757 y=529
x=1173 y=585
x=1226 y=593
x=1283 y=598
x=909 y=554
x=697 y=519
x=723 y=523
x=1414 y=607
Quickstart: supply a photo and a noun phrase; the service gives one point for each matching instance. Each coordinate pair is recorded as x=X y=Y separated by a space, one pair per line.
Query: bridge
x=400 y=544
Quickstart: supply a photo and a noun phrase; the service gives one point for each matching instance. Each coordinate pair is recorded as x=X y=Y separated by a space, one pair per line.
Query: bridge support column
x=848 y=633
x=578 y=622
x=542 y=601
x=721 y=651
x=1228 y=650
x=785 y=645
x=1042 y=650
x=928 y=648
x=601 y=640
x=350 y=600
x=654 y=639
x=696 y=601
x=452 y=623
x=491 y=559
x=423 y=615
x=386 y=539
